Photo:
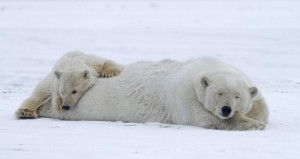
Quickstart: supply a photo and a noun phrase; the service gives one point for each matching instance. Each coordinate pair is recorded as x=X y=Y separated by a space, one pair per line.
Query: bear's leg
x=259 y=111
x=57 y=103
x=238 y=122
x=105 y=68
x=241 y=122
x=109 y=69
x=46 y=110
x=28 y=109
x=40 y=95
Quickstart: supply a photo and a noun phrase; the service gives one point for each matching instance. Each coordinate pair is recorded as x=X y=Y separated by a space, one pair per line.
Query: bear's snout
x=66 y=107
x=226 y=110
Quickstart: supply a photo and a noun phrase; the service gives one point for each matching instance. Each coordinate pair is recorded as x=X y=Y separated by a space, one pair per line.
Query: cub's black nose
x=226 y=110
x=66 y=107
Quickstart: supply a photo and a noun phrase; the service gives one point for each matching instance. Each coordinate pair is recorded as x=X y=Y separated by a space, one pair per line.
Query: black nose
x=226 y=110
x=65 y=107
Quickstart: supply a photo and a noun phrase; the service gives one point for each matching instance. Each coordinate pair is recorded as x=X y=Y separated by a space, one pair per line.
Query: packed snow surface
x=261 y=38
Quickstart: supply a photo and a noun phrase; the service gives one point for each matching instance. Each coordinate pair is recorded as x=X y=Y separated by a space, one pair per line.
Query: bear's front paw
x=110 y=69
x=250 y=125
x=110 y=72
x=24 y=113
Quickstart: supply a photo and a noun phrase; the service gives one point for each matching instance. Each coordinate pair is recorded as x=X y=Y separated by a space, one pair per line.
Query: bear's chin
x=220 y=116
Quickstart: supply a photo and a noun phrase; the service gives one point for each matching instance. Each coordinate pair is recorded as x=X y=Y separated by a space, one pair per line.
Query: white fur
x=168 y=92
x=70 y=78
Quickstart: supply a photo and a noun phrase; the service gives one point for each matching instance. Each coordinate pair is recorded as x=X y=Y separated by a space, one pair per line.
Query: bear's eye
x=237 y=97
x=220 y=94
x=74 y=92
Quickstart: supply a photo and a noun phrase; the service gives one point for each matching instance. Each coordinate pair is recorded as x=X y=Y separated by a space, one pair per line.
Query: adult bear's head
x=223 y=96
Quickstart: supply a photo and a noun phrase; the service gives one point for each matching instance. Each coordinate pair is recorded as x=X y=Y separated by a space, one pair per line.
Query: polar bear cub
x=71 y=77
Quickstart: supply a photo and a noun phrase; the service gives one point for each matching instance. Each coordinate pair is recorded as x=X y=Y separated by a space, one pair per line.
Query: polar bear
x=203 y=92
x=71 y=77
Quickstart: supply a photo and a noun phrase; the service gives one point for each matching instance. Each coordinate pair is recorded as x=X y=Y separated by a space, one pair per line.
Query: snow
x=262 y=38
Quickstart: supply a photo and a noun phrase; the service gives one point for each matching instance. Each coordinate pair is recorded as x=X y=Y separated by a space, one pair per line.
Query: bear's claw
x=24 y=113
x=110 y=73
x=107 y=75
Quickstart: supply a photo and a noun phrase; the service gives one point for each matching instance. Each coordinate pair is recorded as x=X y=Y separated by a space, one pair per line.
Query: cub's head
x=72 y=85
x=223 y=96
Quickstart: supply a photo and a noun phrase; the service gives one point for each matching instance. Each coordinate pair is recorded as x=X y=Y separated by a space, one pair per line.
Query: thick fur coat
x=72 y=75
x=169 y=92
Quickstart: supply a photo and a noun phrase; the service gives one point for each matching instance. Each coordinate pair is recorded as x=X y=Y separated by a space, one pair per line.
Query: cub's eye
x=237 y=97
x=220 y=94
x=74 y=92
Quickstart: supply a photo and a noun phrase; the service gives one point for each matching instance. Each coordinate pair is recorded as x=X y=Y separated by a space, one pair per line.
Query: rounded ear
x=86 y=73
x=58 y=74
x=253 y=91
x=205 y=81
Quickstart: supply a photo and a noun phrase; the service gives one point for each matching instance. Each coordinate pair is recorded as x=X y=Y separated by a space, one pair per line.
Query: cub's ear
x=253 y=91
x=205 y=81
x=86 y=73
x=58 y=74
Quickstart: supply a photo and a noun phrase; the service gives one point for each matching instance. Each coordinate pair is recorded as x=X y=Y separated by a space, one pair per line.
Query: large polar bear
x=203 y=92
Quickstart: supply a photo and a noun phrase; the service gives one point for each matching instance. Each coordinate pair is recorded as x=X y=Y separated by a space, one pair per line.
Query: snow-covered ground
x=262 y=38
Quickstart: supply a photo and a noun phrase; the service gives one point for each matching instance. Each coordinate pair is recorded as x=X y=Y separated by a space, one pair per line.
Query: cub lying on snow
x=202 y=92
x=70 y=78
